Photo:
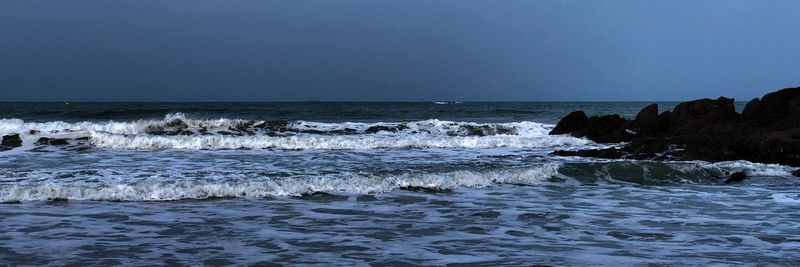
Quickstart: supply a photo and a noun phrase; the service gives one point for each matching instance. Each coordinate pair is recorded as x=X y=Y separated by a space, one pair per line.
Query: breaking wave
x=176 y=131
x=116 y=190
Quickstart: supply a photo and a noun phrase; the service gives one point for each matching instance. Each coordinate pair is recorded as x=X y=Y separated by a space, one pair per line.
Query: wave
x=667 y=172
x=47 y=190
x=176 y=131
x=139 y=185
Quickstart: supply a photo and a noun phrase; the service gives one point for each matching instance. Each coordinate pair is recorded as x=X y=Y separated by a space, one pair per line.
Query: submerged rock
x=704 y=129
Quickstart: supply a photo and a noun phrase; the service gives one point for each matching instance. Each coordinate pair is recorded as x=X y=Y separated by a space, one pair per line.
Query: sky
x=295 y=50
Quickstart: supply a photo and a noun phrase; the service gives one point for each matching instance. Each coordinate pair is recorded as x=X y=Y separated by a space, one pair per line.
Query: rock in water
x=796 y=173
x=10 y=142
x=781 y=105
x=693 y=116
x=603 y=129
x=52 y=141
x=752 y=109
x=573 y=122
x=704 y=129
x=647 y=121
x=736 y=177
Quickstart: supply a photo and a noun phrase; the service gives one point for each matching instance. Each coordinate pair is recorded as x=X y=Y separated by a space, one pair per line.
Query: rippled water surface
x=368 y=184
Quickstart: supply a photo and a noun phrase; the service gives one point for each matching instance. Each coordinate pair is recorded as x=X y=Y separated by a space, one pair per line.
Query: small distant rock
x=381 y=128
x=796 y=173
x=52 y=141
x=10 y=142
x=736 y=177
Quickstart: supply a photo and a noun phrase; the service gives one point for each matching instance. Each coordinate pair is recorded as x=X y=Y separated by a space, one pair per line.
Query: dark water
x=545 y=112
x=367 y=184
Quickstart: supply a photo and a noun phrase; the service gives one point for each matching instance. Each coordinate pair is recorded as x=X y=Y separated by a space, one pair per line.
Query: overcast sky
x=396 y=50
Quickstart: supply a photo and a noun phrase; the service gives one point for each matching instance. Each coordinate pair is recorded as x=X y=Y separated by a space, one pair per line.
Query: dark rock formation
x=646 y=121
x=603 y=129
x=752 y=109
x=482 y=130
x=381 y=128
x=690 y=117
x=572 y=123
x=10 y=142
x=736 y=177
x=52 y=141
x=782 y=105
x=767 y=131
x=796 y=173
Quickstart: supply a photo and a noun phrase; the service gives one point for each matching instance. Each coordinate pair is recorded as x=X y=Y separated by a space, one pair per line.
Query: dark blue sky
x=396 y=50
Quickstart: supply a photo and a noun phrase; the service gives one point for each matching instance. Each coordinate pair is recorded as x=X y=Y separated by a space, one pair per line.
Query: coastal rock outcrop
x=768 y=131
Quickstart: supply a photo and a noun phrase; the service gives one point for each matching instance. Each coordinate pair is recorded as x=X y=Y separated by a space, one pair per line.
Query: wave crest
x=177 y=131
x=187 y=189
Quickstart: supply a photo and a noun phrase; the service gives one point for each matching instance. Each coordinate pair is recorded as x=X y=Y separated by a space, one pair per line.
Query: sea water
x=322 y=183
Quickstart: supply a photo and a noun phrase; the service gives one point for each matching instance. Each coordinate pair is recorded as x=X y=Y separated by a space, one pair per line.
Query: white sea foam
x=754 y=169
x=113 y=190
x=419 y=134
x=147 y=142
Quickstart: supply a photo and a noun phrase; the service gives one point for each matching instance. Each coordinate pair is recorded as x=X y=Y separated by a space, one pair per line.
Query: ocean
x=359 y=184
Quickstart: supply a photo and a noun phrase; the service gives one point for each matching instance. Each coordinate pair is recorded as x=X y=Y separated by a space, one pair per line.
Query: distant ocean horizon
x=368 y=183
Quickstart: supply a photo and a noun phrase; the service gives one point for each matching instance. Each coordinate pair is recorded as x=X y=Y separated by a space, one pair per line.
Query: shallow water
x=554 y=223
x=465 y=187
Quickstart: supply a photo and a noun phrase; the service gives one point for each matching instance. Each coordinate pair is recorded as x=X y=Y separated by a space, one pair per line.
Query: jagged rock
x=736 y=177
x=10 y=141
x=693 y=116
x=647 y=121
x=796 y=173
